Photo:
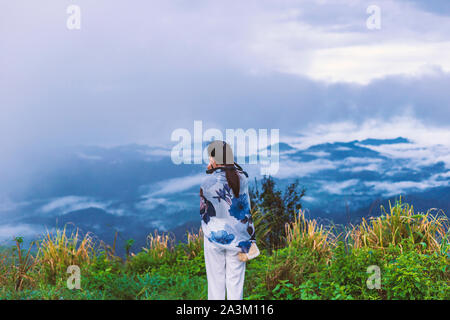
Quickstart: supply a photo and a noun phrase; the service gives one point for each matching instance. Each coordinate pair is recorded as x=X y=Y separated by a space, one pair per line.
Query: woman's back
x=226 y=219
x=226 y=223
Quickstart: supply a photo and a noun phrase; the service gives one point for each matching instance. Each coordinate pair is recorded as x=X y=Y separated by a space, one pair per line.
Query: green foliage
x=272 y=209
x=417 y=276
x=128 y=244
x=311 y=265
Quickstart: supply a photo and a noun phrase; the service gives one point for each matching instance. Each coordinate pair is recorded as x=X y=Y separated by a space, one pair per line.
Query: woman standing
x=226 y=223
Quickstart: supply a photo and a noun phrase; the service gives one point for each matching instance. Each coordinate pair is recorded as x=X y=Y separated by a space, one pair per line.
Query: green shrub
x=417 y=276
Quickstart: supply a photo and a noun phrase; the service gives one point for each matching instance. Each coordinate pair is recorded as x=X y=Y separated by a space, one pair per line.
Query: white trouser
x=224 y=271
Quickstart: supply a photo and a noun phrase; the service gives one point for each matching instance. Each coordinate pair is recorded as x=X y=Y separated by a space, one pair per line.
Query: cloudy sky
x=136 y=71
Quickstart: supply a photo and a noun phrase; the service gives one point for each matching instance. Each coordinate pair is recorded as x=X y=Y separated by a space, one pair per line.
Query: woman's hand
x=212 y=163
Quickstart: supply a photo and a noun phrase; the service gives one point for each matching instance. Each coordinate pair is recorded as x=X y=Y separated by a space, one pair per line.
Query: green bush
x=417 y=276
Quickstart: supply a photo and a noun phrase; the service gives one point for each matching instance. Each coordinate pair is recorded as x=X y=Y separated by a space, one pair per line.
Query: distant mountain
x=378 y=142
x=135 y=189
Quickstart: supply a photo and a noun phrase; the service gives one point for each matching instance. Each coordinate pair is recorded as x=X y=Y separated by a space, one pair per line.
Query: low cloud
x=419 y=154
x=338 y=187
x=84 y=156
x=391 y=188
x=318 y=154
x=9 y=232
x=427 y=144
x=169 y=205
x=370 y=167
x=63 y=205
x=290 y=169
x=176 y=185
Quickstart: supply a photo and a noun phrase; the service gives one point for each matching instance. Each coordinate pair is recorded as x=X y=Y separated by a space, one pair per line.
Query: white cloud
x=343 y=149
x=442 y=175
x=84 y=156
x=418 y=154
x=428 y=144
x=289 y=168
x=159 y=225
x=370 y=167
x=8 y=232
x=63 y=205
x=151 y=203
x=309 y=199
x=363 y=63
x=170 y=206
x=6 y=204
x=338 y=187
x=388 y=188
x=351 y=161
x=156 y=152
x=176 y=185
x=70 y=203
x=319 y=154
x=289 y=42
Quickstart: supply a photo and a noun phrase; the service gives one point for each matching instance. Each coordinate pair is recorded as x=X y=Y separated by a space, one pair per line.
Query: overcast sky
x=137 y=70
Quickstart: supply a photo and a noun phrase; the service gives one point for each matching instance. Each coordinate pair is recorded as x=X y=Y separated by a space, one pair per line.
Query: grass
x=425 y=232
x=58 y=251
x=307 y=234
x=411 y=250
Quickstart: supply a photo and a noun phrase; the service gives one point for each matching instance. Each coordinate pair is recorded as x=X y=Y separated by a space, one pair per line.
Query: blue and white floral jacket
x=226 y=220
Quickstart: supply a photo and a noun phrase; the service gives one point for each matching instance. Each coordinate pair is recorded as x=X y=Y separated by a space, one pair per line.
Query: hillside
x=411 y=251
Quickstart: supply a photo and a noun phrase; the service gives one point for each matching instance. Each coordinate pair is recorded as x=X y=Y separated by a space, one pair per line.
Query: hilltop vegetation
x=312 y=262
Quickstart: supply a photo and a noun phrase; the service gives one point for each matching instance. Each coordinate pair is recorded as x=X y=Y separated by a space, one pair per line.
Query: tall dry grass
x=302 y=236
x=426 y=232
x=58 y=250
x=159 y=245
x=163 y=245
x=194 y=244
x=309 y=234
x=16 y=265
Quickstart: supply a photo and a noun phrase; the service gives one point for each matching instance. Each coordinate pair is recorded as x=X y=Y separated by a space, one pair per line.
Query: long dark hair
x=233 y=181
x=231 y=172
